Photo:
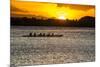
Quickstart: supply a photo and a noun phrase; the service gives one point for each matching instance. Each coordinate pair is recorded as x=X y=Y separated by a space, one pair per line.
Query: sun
x=62 y=17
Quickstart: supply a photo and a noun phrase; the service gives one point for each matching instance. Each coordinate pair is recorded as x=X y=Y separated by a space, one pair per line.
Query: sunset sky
x=50 y=10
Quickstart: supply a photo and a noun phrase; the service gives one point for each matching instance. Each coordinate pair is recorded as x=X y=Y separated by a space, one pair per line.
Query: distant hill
x=87 y=21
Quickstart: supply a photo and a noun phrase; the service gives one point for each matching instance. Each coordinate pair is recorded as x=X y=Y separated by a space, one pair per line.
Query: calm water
x=76 y=45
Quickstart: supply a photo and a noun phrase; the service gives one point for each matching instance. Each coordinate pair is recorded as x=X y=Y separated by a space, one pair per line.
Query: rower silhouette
x=48 y=34
x=52 y=34
x=34 y=34
x=40 y=34
x=43 y=34
x=30 y=34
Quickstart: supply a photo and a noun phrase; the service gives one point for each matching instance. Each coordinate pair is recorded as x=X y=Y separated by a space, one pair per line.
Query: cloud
x=77 y=6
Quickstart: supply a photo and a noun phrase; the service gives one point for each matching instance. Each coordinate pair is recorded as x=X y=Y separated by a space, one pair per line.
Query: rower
x=30 y=34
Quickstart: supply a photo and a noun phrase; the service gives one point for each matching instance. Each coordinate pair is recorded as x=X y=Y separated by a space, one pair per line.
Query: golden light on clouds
x=50 y=10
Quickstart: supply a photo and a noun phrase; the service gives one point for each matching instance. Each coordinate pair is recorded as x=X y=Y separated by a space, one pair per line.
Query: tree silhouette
x=86 y=21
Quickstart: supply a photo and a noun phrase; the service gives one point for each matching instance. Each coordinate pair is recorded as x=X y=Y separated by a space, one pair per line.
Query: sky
x=50 y=10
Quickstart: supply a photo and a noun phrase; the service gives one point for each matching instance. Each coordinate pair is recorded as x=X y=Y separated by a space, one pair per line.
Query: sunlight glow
x=62 y=17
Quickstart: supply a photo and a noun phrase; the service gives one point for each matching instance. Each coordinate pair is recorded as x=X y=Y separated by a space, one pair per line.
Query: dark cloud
x=15 y=9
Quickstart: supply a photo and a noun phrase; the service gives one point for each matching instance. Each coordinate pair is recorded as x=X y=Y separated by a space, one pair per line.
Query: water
x=76 y=45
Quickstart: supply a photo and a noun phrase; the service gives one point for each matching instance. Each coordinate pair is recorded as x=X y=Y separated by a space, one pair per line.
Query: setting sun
x=62 y=17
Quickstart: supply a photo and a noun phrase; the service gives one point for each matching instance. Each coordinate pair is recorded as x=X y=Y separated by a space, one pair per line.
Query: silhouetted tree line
x=86 y=21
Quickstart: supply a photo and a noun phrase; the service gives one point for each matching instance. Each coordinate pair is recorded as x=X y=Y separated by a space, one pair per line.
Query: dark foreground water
x=76 y=45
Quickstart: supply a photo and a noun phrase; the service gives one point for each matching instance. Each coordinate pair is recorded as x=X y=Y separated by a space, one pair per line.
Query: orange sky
x=50 y=10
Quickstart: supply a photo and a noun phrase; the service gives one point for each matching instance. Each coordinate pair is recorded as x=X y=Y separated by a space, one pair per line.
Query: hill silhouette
x=86 y=21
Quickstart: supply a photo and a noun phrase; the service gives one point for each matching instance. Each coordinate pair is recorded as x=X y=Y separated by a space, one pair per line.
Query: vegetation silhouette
x=86 y=21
